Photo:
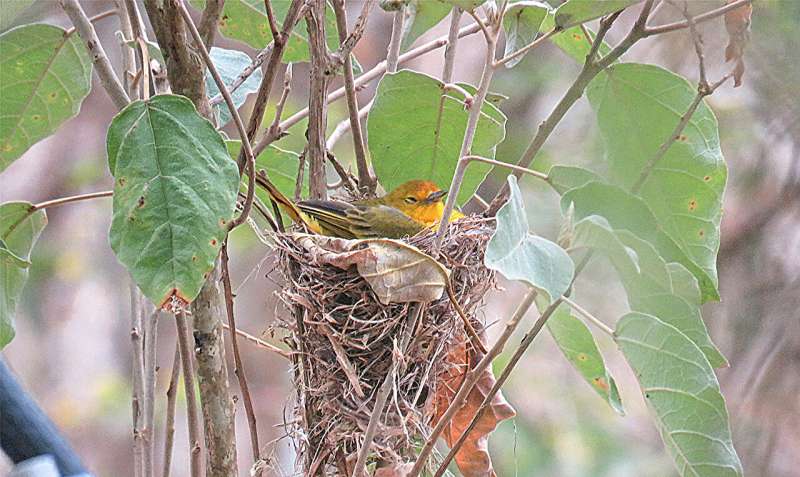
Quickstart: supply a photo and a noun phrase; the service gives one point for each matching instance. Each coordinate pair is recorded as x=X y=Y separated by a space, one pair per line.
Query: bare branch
x=348 y=42
x=246 y=73
x=344 y=126
x=105 y=71
x=315 y=152
x=95 y=18
x=470 y=379
x=273 y=23
x=261 y=343
x=393 y=55
x=452 y=45
x=193 y=418
x=657 y=30
x=365 y=180
x=238 y=370
x=137 y=401
x=150 y=319
x=169 y=428
x=274 y=131
x=588 y=316
x=208 y=22
x=74 y=198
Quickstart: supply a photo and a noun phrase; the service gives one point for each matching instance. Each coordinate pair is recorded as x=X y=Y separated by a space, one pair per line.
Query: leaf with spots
x=174 y=193
x=572 y=41
x=637 y=108
x=246 y=21
x=402 y=127
x=577 y=343
x=665 y=290
x=44 y=77
x=683 y=393
x=520 y=255
x=20 y=227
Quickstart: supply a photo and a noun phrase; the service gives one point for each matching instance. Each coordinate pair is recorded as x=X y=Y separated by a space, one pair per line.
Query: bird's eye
x=410 y=200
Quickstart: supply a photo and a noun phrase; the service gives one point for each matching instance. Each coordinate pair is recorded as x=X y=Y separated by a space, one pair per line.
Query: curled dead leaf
x=394 y=470
x=737 y=23
x=472 y=458
x=396 y=271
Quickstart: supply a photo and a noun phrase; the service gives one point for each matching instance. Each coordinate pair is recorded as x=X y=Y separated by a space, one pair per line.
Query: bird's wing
x=345 y=220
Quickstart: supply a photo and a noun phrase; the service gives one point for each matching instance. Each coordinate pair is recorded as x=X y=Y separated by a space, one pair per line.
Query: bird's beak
x=436 y=196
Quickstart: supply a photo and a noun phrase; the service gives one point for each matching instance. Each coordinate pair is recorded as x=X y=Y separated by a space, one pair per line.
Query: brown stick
x=316 y=153
x=238 y=369
x=169 y=428
x=137 y=401
x=208 y=22
x=193 y=418
x=365 y=180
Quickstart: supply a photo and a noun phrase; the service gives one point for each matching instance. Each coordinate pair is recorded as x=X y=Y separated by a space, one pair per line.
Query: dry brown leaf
x=394 y=470
x=396 y=271
x=472 y=458
x=737 y=23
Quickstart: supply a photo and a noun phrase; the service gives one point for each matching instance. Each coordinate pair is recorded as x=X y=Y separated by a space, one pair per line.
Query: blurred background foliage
x=72 y=348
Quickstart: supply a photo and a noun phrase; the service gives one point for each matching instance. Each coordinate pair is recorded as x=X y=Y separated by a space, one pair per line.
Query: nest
x=346 y=342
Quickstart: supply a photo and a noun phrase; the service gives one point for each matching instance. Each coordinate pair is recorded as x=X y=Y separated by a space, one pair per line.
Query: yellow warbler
x=406 y=210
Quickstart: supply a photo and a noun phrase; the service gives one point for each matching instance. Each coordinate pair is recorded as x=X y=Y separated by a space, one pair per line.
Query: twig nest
x=350 y=302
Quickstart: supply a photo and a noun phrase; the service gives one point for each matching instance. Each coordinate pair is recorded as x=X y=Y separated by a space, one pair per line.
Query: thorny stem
x=246 y=147
x=365 y=180
x=186 y=352
x=385 y=389
x=105 y=71
x=470 y=379
x=237 y=359
x=588 y=316
x=172 y=393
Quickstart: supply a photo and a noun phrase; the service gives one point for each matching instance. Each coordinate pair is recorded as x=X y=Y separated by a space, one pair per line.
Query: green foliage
x=680 y=387
x=578 y=345
x=20 y=227
x=229 y=64
x=44 y=76
x=10 y=11
x=281 y=167
x=575 y=12
x=573 y=41
x=519 y=255
x=564 y=178
x=402 y=129
x=174 y=193
x=521 y=24
x=421 y=16
x=667 y=291
x=638 y=107
x=466 y=4
x=246 y=20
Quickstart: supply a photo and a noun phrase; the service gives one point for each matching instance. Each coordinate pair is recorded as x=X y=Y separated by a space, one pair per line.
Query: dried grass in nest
x=347 y=340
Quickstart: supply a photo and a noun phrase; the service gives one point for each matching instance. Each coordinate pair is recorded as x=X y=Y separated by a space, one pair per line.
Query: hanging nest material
x=347 y=340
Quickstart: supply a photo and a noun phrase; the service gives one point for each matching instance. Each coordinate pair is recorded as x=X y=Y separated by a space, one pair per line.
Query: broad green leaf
x=44 y=76
x=20 y=227
x=626 y=211
x=564 y=178
x=519 y=255
x=667 y=291
x=281 y=167
x=402 y=133
x=521 y=24
x=577 y=343
x=10 y=10
x=638 y=107
x=681 y=389
x=575 y=12
x=466 y=4
x=573 y=41
x=174 y=193
x=421 y=16
x=229 y=64
x=246 y=21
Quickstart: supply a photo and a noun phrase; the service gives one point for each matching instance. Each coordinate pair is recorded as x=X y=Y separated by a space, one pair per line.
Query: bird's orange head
x=421 y=200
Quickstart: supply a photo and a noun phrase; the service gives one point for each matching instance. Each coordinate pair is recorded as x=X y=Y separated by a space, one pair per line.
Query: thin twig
x=376 y=72
x=348 y=181
x=139 y=36
x=386 y=387
x=137 y=401
x=452 y=45
x=193 y=418
x=251 y=160
x=393 y=55
x=271 y=20
x=588 y=316
x=238 y=369
x=128 y=53
x=150 y=320
x=350 y=41
x=315 y=151
x=274 y=131
x=710 y=15
x=244 y=75
x=261 y=343
x=93 y=19
x=73 y=198
x=105 y=71
x=344 y=125
x=169 y=428
x=470 y=379
x=365 y=180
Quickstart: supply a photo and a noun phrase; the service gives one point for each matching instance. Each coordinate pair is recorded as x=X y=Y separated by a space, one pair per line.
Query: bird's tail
x=285 y=203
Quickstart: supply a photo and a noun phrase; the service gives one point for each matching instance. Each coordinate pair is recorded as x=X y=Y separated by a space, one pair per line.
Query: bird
x=410 y=208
